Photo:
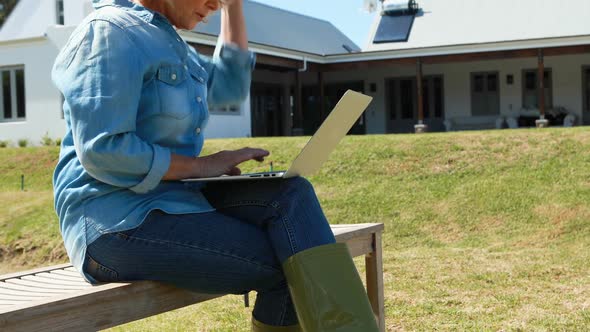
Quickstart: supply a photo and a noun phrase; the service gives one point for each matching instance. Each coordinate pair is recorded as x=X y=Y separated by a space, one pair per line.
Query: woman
x=136 y=98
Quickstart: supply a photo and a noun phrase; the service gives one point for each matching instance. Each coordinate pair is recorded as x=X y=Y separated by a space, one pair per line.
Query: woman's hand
x=226 y=162
x=220 y=163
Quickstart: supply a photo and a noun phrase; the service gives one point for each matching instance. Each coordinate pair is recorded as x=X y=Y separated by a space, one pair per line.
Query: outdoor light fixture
x=509 y=79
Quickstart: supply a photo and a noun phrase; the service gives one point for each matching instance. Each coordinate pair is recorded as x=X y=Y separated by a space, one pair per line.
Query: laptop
x=318 y=148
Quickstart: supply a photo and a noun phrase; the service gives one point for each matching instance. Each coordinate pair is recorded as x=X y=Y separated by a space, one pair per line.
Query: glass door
x=485 y=94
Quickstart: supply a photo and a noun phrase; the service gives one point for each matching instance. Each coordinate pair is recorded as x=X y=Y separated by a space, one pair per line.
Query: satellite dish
x=370 y=5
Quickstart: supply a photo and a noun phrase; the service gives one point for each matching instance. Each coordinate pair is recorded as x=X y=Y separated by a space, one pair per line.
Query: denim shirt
x=134 y=93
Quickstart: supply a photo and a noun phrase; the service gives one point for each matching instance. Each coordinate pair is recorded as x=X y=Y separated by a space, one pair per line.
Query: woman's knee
x=299 y=186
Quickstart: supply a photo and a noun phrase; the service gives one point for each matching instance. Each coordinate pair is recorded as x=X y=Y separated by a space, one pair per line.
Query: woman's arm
x=100 y=74
x=233 y=24
x=230 y=69
x=223 y=162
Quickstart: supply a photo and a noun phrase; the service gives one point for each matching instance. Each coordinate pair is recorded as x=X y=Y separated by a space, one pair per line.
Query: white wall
x=43 y=101
x=222 y=125
x=76 y=10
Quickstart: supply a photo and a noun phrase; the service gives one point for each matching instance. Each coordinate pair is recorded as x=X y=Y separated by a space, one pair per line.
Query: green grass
x=484 y=230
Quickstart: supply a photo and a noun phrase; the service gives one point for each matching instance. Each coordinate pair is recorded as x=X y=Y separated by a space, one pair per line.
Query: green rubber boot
x=327 y=291
x=261 y=327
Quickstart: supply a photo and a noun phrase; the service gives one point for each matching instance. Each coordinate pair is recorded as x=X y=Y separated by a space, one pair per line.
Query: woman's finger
x=245 y=154
x=235 y=171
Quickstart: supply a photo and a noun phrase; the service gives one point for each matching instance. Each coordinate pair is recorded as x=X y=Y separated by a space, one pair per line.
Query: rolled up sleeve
x=230 y=74
x=101 y=78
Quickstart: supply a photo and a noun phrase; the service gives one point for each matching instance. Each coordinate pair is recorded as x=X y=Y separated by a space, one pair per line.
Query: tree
x=6 y=7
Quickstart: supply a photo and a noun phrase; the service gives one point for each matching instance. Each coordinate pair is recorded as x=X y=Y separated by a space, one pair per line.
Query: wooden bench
x=57 y=298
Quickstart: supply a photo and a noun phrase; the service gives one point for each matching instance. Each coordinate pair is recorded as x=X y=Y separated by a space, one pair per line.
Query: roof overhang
x=21 y=41
x=462 y=49
x=427 y=54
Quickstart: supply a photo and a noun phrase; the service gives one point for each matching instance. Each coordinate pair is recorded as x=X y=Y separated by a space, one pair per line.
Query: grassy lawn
x=483 y=230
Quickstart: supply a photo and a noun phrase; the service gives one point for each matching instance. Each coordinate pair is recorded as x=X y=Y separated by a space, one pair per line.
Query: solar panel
x=394 y=28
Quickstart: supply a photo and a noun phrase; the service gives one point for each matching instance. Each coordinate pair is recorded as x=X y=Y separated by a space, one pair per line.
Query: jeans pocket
x=98 y=271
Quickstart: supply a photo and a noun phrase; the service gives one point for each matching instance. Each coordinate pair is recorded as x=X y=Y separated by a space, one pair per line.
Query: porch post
x=322 y=95
x=542 y=122
x=298 y=115
x=287 y=111
x=420 y=127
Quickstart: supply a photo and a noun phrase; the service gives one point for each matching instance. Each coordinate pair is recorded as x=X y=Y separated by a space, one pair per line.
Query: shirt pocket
x=173 y=91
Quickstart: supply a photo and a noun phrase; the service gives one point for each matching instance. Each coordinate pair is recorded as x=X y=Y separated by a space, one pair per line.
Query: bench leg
x=374 y=274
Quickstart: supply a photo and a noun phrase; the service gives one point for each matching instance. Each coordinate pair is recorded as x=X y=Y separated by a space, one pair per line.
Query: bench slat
x=8 y=302
x=19 y=298
x=66 y=273
x=34 y=271
x=346 y=232
x=61 y=276
x=45 y=285
x=45 y=280
x=30 y=289
x=5 y=291
x=53 y=276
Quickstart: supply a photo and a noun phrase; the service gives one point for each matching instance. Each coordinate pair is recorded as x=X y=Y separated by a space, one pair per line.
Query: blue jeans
x=238 y=248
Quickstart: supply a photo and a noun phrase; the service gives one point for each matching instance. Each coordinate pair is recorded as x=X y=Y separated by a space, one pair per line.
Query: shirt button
x=185 y=67
x=173 y=77
x=199 y=99
x=201 y=79
x=198 y=131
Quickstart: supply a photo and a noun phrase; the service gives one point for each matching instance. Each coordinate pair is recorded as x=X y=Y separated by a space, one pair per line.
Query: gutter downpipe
x=304 y=69
x=298 y=119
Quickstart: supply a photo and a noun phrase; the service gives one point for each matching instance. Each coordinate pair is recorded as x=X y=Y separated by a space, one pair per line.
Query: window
x=12 y=96
x=59 y=12
x=530 y=95
x=225 y=110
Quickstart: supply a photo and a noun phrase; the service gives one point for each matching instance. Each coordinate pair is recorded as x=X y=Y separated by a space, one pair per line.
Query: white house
x=30 y=39
x=448 y=64
x=480 y=60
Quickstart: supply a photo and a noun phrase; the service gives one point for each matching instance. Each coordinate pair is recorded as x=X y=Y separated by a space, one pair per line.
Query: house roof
x=266 y=25
x=467 y=22
x=272 y=26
